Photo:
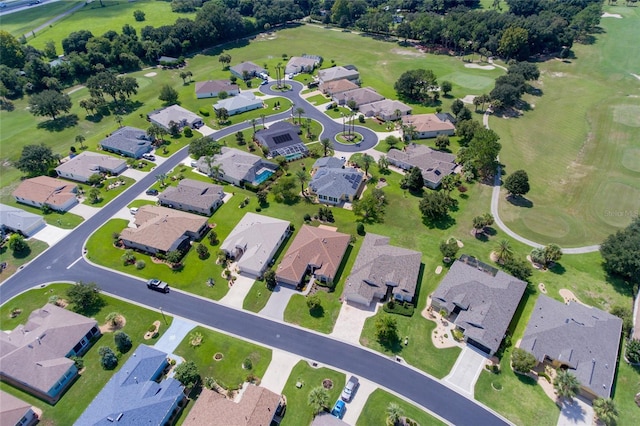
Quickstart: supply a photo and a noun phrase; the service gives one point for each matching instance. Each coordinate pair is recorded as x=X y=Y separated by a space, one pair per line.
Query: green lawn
x=585 y=126
x=106 y=194
x=257 y=297
x=626 y=387
x=228 y=372
x=318 y=100
x=321 y=319
x=298 y=410
x=25 y=21
x=91 y=381
x=375 y=410
x=15 y=260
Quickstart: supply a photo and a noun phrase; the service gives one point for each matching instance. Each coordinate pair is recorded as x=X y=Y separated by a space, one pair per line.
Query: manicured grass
x=375 y=410
x=626 y=387
x=15 y=260
x=318 y=99
x=228 y=372
x=339 y=113
x=321 y=319
x=377 y=126
x=92 y=380
x=64 y=220
x=298 y=410
x=257 y=297
x=579 y=131
x=107 y=194
x=269 y=109
x=112 y=17
x=23 y=22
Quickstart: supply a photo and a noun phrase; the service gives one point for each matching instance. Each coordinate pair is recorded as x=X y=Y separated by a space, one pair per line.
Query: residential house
x=44 y=190
x=175 y=114
x=16 y=412
x=480 y=300
x=212 y=88
x=245 y=101
x=254 y=241
x=237 y=167
x=315 y=250
x=335 y=87
x=385 y=110
x=36 y=356
x=434 y=164
x=361 y=96
x=161 y=230
x=83 y=166
x=251 y=69
x=584 y=339
x=256 y=407
x=333 y=183
x=430 y=125
x=304 y=63
x=127 y=141
x=282 y=138
x=137 y=394
x=193 y=196
x=337 y=73
x=326 y=419
x=382 y=270
x=13 y=219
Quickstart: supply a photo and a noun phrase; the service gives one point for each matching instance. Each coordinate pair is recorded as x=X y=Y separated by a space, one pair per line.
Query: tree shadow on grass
x=442 y=223
x=60 y=123
x=558 y=269
x=520 y=201
x=317 y=311
x=22 y=254
x=394 y=346
x=490 y=231
x=481 y=236
x=526 y=380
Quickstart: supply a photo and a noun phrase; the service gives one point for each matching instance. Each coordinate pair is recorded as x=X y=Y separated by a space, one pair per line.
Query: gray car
x=350 y=387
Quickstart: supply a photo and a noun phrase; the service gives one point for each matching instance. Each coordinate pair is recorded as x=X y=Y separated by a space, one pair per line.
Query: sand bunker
x=611 y=15
x=636 y=76
x=151 y=74
x=468 y=99
x=408 y=52
x=480 y=67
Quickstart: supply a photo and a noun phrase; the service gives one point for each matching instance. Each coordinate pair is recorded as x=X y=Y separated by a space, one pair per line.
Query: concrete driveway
x=236 y=294
x=278 y=302
x=51 y=234
x=206 y=130
x=358 y=400
x=84 y=210
x=575 y=413
x=176 y=333
x=350 y=322
x=279 y=370
x=467 y=369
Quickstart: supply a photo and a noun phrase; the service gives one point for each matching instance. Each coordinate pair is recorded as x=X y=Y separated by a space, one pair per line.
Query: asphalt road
x=64 y=262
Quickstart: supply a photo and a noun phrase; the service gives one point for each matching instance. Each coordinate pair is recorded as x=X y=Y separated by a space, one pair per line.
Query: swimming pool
x=262 y=175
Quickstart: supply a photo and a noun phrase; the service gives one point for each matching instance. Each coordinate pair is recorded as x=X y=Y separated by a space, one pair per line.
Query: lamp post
x=163 y=317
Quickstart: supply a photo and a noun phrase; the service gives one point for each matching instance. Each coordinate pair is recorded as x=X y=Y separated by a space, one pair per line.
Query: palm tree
x=253 y=124
x=303 y=178
x=503 y=251
x=566 y=384
x=299 y=111
x=118 y=119
x=262 y=117
x=80 y=139
x=394 y=413
x=606 y=410
x=326 y=145
x=318 y=399
x=216 y=171
x=161 y=178
x=397 y=113
x=367 y=161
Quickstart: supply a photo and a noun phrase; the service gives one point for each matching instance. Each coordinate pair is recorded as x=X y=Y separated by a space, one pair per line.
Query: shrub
x=122 y=341
x=213 y=237
x=203 y=111
x=247 y=364
x=209 y=382
x=360 y=228
x=633 y=351
x=140 y=264
x=108 y=358
x=401 y=308
x=78 y=362
x=313 y=302
x=187 y=373
x=187 y=132
x=522 y=361
x=139 y=15
x=307 y=217
x=151 y=328
x=54 y=300
x=202 y=250
x=457 y=335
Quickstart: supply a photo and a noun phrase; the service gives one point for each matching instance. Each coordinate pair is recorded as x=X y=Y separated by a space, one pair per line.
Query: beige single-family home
x=81 y=167
x=193 y=196
x=41 y=191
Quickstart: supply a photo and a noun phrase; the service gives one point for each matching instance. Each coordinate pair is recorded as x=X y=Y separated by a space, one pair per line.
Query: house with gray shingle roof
x=212 y=88
x=14 y=411
x=237 y=167
x=135 y=395
x=256 y=407
x=337 y=73
x=315 y=250
x=81 y=167
x=282 y=138
x=161 y=230
x=335 y=184
x=251 y=69
x=382 y=270
x=480 y=300
x=193 y=196
x=164 y=117
x=581 y=338
x=127 y=141
x=17 y=220
x=361 y=96
x=254 y=241
x=298 y=64
x=434 y=164
x=245 y=101
x=386 y=109
x=36 y=356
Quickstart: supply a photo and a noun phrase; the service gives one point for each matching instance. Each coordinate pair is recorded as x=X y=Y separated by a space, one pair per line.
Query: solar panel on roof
x=282 y=138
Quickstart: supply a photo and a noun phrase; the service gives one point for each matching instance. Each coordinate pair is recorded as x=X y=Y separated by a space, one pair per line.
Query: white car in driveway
x=350 y=387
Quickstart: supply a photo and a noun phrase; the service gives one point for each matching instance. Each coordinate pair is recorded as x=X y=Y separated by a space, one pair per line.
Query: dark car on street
x=157 y=285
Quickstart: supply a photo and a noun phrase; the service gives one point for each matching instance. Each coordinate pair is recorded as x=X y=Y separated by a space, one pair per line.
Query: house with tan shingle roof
x=81 y=167
x=433 y=164
x=14 y=411
x=335 y=87
x=193 y=196
x=361 y=96
x=161 y=230
x=430 y=125
x=382 y=270
x=386 y=109
x=212 y=88
x=36 y=356
x=44 y=190
x=256 y=407
x=298 y=64
x=315 y=250
x=337 y=73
